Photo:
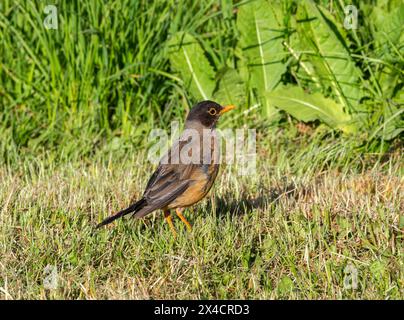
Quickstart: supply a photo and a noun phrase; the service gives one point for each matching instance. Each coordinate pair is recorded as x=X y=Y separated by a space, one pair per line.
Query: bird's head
x=207 y=113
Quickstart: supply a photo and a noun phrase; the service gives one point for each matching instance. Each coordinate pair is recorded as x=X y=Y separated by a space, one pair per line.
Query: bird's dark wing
x=168 y=182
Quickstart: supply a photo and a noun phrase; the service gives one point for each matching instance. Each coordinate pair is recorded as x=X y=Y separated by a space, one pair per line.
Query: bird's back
x=183 y=177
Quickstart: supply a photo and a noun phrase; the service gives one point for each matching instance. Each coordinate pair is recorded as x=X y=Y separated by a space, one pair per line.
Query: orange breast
x=202 y=182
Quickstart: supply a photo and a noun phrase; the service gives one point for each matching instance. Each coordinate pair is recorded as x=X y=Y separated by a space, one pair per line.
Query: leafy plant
x=230 y=88
x=187 y=57
x=96 y=78
x=310 y=107
x=261 y=30
x=325 y=65
x=324 y=44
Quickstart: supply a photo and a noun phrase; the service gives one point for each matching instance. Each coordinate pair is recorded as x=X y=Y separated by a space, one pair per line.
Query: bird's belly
x=193 y=194
x=197 y=190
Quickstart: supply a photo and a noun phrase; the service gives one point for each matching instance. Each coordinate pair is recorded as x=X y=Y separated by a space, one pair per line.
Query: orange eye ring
x=212 y=111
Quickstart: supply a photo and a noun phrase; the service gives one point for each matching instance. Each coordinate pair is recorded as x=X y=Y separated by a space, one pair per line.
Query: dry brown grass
x=273 y=235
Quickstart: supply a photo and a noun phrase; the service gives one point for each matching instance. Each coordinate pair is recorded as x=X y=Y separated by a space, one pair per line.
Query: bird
x=186 y=173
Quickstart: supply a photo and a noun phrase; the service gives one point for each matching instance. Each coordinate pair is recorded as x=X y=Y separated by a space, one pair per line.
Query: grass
x=289 y=232
x=76 y=104
x=103 y=72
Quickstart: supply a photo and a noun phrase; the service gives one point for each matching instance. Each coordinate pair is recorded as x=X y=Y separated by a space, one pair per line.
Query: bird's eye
x=212 y=111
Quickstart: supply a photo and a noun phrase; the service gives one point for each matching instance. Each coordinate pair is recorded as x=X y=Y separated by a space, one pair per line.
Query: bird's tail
x=132 y=208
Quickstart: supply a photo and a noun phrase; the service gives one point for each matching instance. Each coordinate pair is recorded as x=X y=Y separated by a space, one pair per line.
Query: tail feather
x=133 y=208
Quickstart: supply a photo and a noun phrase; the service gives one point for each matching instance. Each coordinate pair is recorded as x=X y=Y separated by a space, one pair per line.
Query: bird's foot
x=169 y=220
x=179 y=214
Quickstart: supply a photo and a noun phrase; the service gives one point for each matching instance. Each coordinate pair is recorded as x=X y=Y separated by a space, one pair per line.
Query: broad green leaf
x=261 y=34
x=231 y=88
x=393 y=123
x=389 y=45
x=388 y=79
x=188 y=59
x=388 y=29
x=310 y=107
x=329 y=55
x=296 y=47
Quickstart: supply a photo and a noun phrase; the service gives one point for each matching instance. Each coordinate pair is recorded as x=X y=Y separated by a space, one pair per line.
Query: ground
x=307 y=225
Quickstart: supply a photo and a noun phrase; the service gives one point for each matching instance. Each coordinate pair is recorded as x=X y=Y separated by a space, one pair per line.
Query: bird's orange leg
x=179 y=214
x=169 y=219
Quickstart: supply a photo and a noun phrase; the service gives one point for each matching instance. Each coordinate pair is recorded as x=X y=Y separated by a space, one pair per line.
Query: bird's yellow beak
x=226 y=109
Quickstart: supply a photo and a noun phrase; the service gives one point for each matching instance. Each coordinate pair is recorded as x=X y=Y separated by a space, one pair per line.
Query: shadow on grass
x=227 y=204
